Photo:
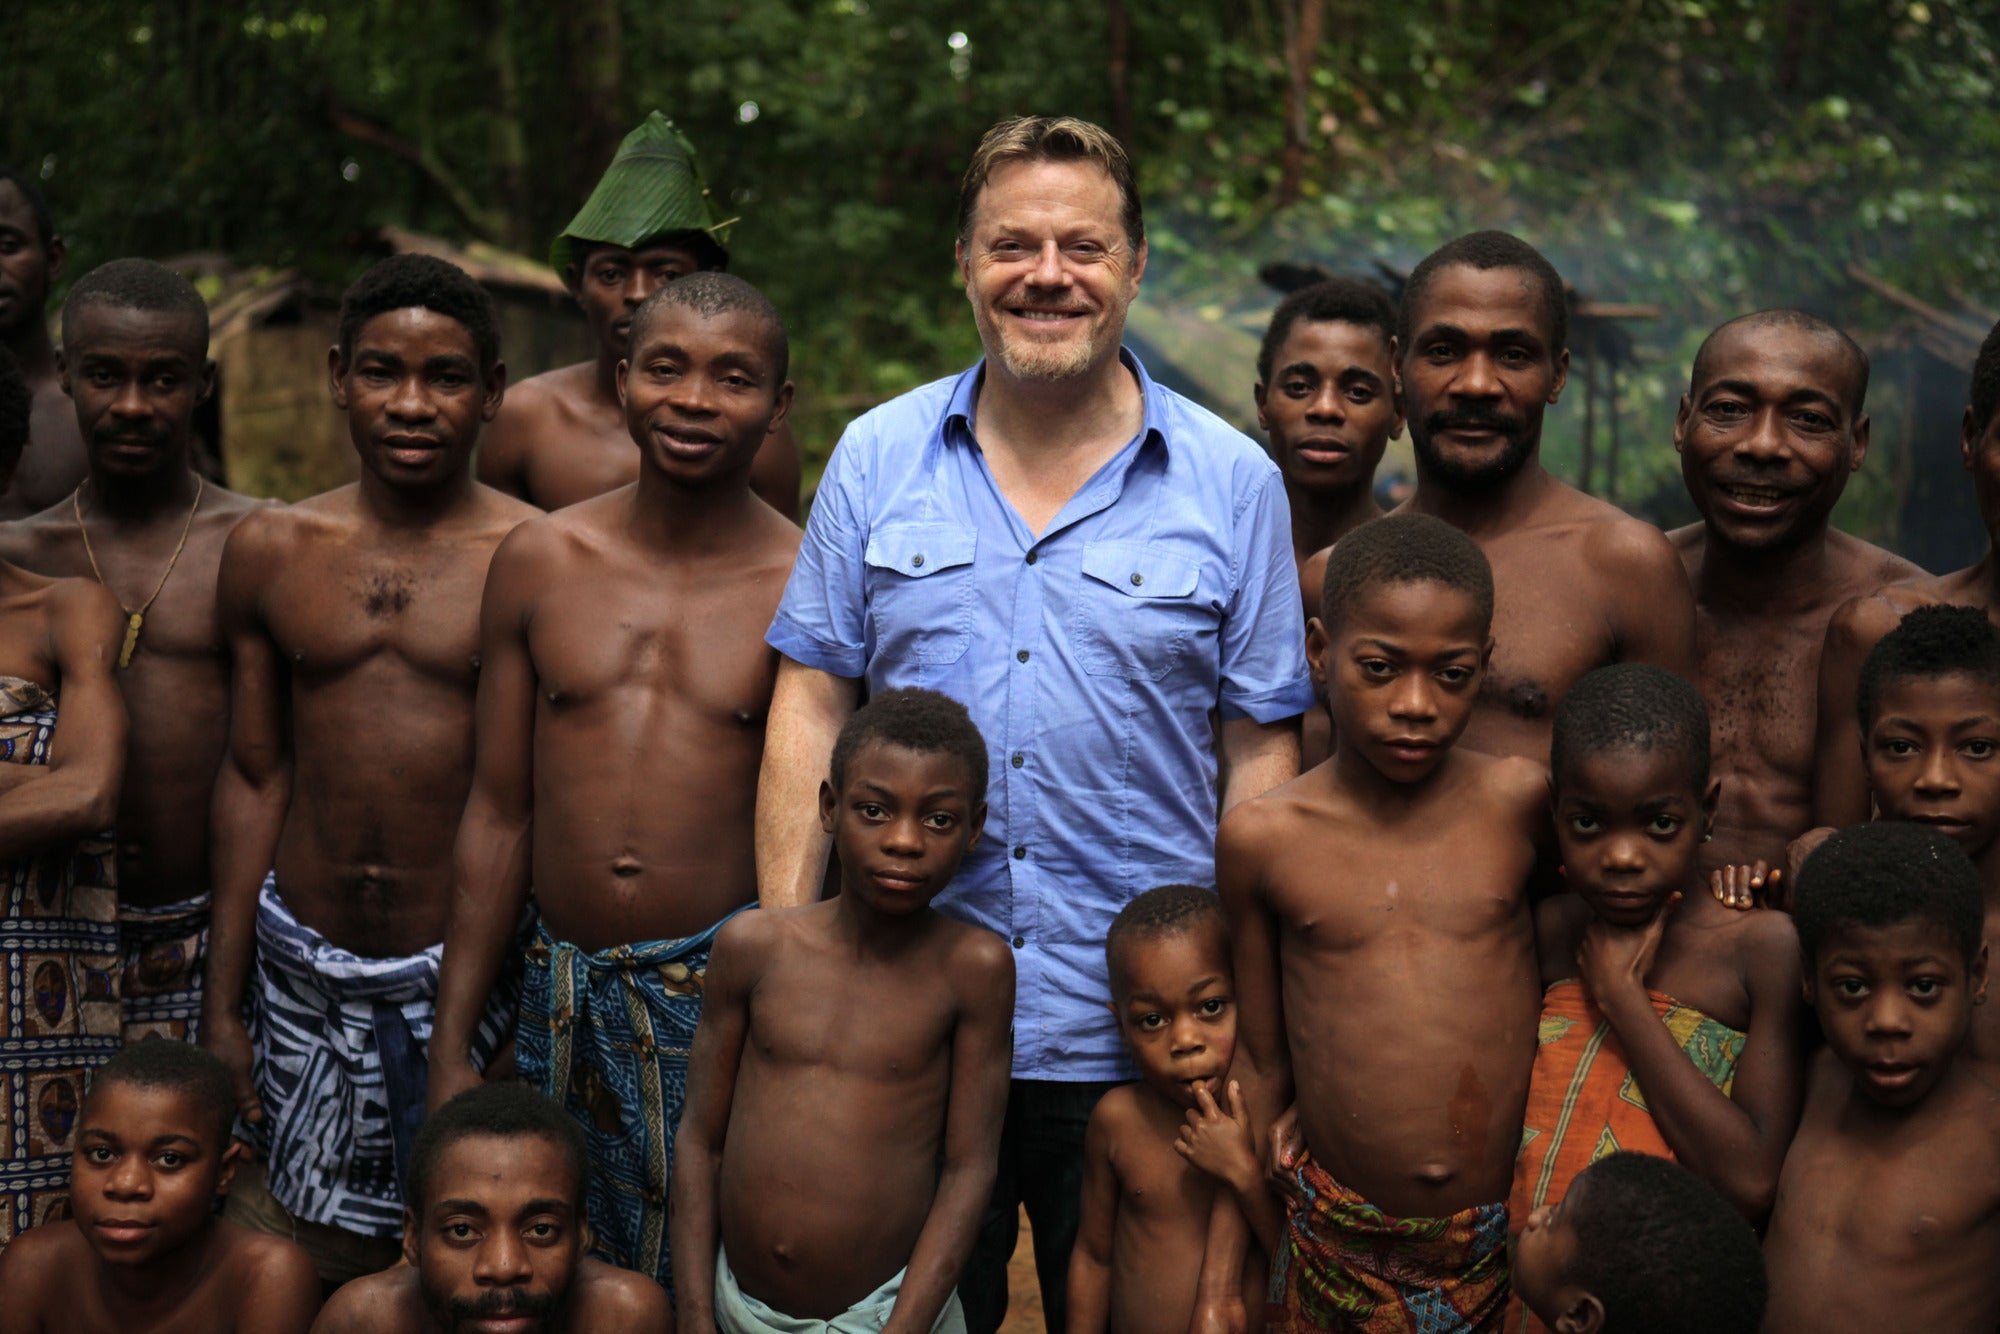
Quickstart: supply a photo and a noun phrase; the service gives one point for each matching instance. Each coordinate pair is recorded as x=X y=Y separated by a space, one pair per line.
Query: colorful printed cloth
x=342 y=1068
x=59 y=1004
x=165 y=950
x=1345 y=1265
x=1584 y=1103
x=737 y=1312
x=607 y=1036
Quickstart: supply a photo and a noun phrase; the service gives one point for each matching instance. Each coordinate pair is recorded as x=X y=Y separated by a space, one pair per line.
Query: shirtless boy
x=851 y=1069
x=561 y=438
x=142 y=1251
x=622 y=699
x=143 y=524
x=1149 y=1176
x=354 y=621
x=31 y=260
x=493 y=1230
x=1840 y=789
x=1888 y=1213
x=1578 y=583
x=1384 y=950
x=1670 y=1023
x=1772 y=426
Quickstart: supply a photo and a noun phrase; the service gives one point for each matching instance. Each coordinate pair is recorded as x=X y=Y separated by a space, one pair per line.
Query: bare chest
x=1550 y=627
x=181 y=620
x=1927 y=1196
x=1456 y=883
x=341 y=607
x=892 y=1025
x=1760 y=678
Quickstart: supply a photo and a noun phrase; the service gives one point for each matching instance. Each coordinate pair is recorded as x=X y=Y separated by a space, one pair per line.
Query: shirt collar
x=957 y=424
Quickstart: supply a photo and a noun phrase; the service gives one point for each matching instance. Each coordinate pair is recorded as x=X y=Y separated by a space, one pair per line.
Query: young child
x=494 y=1231
x=1888 y=1211
x=849 y=1077
x=1157 y=1149
x=143 y=1251
x=1384 y=951
x=1640 y=1246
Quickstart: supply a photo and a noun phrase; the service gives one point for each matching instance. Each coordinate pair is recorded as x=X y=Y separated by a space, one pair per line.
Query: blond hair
x=1052 y=139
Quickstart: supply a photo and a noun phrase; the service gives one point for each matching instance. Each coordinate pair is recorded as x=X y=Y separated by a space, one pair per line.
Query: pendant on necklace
x=132 y=624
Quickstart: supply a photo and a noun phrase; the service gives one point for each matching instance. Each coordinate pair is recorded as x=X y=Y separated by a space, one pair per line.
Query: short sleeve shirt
x=1096 y=660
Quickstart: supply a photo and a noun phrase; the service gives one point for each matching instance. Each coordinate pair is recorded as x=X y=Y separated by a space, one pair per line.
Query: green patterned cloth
x=652 y=188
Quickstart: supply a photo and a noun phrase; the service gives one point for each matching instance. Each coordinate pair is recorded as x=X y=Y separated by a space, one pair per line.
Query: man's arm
x=741 y=949
x=490 y=860
x=1840 y=780
x=1256 y=757
x=1090 y=1260
x=253 y=790
x=808 y=709
x=79 y=795
x=1646 y=588
x=981 y=1066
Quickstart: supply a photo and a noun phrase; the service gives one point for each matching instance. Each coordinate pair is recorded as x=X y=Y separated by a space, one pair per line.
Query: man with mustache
x=142 y=523
x=31 y=259
x=561 y=438
x=1102 y=572
x=1772 y=426
x=1578 y=584
x=353 y=618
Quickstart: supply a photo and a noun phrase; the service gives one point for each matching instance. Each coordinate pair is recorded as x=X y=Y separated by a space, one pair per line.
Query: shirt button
x=1020 y=851
x=1031 y=558
x=1137 y=578
x=1022 y=655
x=1019 y=759
x=917 y=563
x=1019 y=941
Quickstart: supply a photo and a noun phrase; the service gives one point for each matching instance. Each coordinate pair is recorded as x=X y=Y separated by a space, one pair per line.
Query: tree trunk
x=594 y=73
x=507 y=139
x=1120 y=45
x=1305 y=20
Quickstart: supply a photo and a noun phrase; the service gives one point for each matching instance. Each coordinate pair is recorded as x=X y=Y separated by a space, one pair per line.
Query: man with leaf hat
x=561 y=436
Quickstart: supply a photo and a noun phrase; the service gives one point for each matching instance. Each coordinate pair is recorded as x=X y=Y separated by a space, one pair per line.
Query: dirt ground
x=1024 y=1296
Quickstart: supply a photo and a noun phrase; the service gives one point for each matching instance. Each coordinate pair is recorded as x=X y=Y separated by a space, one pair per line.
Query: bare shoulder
x=25 y=540
x=262 y=1263
x=82 y=602
x=611 y=1300
x=1865 y=567
x=221 y=505
x=1514 y=782
x=1615 y=542
x=541 y=545
x=1689 y=542
x=1860 y=621
x=498 y=510
x=1116 y=1112
x=383 y=1303
x=38 y=1264
x=974 y=956
x=750 y=937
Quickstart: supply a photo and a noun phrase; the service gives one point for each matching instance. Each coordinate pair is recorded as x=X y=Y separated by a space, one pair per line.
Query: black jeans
x=1041 y=1167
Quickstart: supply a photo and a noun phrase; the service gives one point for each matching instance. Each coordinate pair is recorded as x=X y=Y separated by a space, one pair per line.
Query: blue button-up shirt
x=1094 y=658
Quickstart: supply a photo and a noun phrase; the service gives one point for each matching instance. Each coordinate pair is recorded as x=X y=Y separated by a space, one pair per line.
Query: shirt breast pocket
x=1135 y=610
x=920 y=593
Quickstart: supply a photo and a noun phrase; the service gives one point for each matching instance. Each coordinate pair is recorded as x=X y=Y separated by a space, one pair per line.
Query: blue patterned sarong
x=342 y=1044
x=58 y=986
x=165 y=953
x=607 y=1036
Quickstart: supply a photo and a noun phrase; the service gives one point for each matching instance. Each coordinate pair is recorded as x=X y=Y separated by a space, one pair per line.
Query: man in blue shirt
x=1102 y=572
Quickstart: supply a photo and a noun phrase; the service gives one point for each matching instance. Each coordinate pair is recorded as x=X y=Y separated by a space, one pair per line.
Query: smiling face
x=1895 y=1003
x=1933 y=757
x=27 y=267
x=1330 y=407
x=702 y=391
x=1629 y=823
x=1401 y=670
x=497 y=1245
x=613 y=282
x=1478 y=374
x=149 y=1164
x=136 y=377
x=1767 y=436
x=1049 y=269
x=901 y=822
x=414 y=396
x=1176 y=1007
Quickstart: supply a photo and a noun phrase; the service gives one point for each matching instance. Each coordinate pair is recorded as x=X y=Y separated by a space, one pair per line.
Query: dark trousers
x=1041 y=1168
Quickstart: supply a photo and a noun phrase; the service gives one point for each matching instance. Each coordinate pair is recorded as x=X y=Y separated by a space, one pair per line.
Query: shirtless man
x=1578 y=584
x=31 y=259
x=621 y=725
x=354 y=619
x=1769 y=431
x=1840 y=788
x=561 y=438
x=143 y=524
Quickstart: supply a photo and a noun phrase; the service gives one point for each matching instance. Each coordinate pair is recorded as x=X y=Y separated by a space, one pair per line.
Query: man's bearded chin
x=1040 y=362
x=551 y=1308
x=1473 y=476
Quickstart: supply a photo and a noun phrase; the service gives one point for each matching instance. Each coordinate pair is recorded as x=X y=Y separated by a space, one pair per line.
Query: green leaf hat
x=652 y=188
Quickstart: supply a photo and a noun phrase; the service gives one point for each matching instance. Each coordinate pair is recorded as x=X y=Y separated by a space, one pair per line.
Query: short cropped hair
x=1851 y=351
x=402 y=282
x=139 y=284
x=915 y=719
x=1052 y=139
x=1170 y=910
x=1332 y=300
x=175 y=1067
x=1405 y=549
x=1631 y=706
x=1484 y=251
x=502 y=1111
x=38 y=204
x=710 y=294
x=17 y=405
x=1929 y=643
x=1885 y=874
x=1985 y=395
x=1662 y=1251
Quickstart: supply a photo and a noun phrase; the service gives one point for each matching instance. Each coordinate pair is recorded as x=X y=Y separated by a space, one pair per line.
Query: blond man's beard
x=1040 y=362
